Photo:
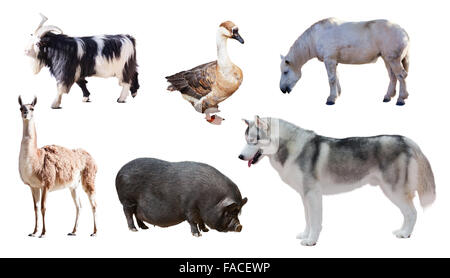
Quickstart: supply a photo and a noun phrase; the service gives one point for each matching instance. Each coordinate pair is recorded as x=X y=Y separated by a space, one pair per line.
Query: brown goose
x=207 y=85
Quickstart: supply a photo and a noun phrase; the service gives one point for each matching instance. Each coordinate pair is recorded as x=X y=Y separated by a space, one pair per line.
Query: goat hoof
x=56 y=107
x=400 y=102
x=120 y=101
x=94 y=235
x=32 y=235
x=134 y=95
x=71 y=234
x=86 y=99
x=330 y=102
x=42 y=236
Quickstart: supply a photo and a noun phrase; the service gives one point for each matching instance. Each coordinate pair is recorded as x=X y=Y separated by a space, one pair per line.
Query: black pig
x=165 y=194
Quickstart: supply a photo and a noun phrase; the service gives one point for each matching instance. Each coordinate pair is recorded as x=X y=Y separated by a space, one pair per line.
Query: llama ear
x=20 y=100
x=34 y=101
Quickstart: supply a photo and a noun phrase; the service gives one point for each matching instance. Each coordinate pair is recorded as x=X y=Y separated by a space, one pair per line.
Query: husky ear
x=34 y=101
x=261 y=123
x=20 y=100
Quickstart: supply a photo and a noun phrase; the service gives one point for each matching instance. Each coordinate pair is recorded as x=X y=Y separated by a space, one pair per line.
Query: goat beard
x=36 y=65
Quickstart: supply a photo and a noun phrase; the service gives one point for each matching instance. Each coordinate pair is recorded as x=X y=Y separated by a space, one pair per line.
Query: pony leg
x=43 y=208
x=36 y=202
x=77 y=202
x=400 y=74
x=124 y=93
x=82 y=84
x=332 y=80
x=62 y=89
x=392 y=84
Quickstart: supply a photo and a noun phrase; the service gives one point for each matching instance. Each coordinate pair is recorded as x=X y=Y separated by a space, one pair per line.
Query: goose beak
x=237 y=37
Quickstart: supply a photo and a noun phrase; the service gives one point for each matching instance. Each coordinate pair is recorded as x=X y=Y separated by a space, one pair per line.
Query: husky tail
x=424 y=177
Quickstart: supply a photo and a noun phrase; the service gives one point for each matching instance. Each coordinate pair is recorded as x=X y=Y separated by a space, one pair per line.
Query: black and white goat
x=72 y=59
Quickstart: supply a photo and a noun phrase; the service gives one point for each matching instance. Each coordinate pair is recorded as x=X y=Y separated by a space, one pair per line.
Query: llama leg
x=332 y=80
x=400 y=74
x=392 y=83
x=124 y=93
x=94 y=211
x=36 y=202
x=62 y=89
x=76 y=199
x=82 y=84
x=43 y=207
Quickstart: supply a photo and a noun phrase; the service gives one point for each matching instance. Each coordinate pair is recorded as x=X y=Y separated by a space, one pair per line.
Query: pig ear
x=244 y=201
x=232 y=208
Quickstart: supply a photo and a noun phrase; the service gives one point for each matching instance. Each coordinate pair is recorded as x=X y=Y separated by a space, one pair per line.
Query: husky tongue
x=250 y=162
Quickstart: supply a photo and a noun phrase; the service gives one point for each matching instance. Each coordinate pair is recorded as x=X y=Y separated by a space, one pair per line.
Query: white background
x=176 y=35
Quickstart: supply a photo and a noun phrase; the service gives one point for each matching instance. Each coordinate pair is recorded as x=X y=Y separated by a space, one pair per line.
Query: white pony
x=333 y=41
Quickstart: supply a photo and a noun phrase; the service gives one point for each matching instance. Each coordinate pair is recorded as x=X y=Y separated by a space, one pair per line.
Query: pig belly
x=162 y=216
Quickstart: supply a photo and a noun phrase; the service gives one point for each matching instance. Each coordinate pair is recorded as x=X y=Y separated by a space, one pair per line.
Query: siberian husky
x=315 y=165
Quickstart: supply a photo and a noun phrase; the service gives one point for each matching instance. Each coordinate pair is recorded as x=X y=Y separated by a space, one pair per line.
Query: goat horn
x=43 y=20
x=45 y=29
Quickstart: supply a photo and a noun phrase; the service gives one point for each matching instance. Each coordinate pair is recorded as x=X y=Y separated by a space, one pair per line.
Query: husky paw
x=308 y=242
x=402 y=234
x=303 y=235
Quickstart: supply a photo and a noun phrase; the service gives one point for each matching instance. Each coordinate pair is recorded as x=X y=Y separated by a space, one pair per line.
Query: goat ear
x=34 y=101
x=247 y=122
x=282 y=57
x=20 y=100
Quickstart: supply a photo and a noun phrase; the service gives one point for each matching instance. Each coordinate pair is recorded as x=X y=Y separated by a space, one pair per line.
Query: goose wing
x=196 y=82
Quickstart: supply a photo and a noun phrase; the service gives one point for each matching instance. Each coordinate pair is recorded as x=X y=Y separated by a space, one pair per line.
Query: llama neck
x=29 y=143
x=223 y=60
x=302 y=51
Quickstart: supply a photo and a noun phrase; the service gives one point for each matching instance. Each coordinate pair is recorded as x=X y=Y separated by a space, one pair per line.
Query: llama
x=332 y=42
x=51 y=168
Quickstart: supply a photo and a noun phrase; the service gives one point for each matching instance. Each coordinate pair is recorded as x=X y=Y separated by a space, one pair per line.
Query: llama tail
x=88 y=173
x=426 y=187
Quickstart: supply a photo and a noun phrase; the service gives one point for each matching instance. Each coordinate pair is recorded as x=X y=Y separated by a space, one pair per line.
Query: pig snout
x=238 y=228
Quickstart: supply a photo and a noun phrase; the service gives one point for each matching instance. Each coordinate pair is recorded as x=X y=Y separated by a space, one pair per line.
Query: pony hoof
x=71 y=234
x=330 y=102
x=386 y=99
x=400 y=102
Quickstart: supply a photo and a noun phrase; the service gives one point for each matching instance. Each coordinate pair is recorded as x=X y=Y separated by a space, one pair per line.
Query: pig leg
x=203 y=227
x=141 y=224
x=194 y=229
x=129 y=211
x=193 y=219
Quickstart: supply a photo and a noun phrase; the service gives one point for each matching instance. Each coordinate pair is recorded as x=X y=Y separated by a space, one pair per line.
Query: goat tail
x=423 y=177
x=88 y=173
